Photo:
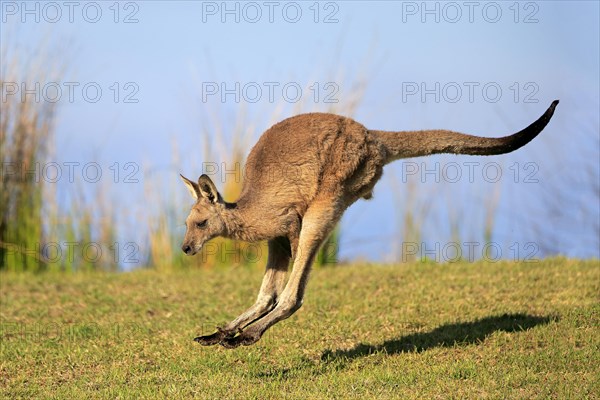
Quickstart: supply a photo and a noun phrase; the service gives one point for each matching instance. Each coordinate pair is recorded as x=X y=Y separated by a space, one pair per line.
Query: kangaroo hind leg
x=271 y=287
x=318 y=222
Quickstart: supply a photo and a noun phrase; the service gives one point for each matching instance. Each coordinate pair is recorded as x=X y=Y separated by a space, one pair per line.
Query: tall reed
x=26 y=132
x=37 y=230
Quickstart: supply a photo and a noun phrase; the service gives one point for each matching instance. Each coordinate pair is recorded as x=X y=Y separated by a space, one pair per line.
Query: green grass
x=501 y=330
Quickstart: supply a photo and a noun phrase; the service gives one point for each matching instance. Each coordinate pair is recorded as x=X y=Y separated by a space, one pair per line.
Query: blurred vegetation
x=26 y=132
x=37 y=232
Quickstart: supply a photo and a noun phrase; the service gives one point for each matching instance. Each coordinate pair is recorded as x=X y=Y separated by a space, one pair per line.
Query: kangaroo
x=300 y=177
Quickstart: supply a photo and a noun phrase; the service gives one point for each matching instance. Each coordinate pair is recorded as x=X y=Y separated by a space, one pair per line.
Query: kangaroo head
x=205 y=219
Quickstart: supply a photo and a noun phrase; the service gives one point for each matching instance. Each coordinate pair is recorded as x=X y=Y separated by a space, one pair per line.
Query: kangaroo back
x=405 y=144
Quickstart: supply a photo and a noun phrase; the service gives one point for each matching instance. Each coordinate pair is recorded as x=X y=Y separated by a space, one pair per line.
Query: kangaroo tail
x=407 y=144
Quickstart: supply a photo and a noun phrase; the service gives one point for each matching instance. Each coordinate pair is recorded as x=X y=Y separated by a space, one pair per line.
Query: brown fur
x=300 y=177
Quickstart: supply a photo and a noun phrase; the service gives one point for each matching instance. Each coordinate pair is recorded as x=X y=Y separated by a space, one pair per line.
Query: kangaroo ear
x=192 y=187
x=208 y=190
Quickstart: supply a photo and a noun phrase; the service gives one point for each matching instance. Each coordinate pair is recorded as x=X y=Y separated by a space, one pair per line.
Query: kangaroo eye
x=201 y=224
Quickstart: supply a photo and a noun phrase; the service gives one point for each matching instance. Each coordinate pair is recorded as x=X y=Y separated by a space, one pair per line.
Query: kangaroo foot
x=217 y=337
x=243 y=339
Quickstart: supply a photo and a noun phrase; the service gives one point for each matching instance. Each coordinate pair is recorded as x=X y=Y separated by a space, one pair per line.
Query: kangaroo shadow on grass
x=448 y=335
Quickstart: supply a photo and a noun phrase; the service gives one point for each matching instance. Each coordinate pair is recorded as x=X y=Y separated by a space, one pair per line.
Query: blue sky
x=533 y=52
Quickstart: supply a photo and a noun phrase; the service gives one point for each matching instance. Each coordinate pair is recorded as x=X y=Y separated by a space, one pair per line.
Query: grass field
x=467 y=330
